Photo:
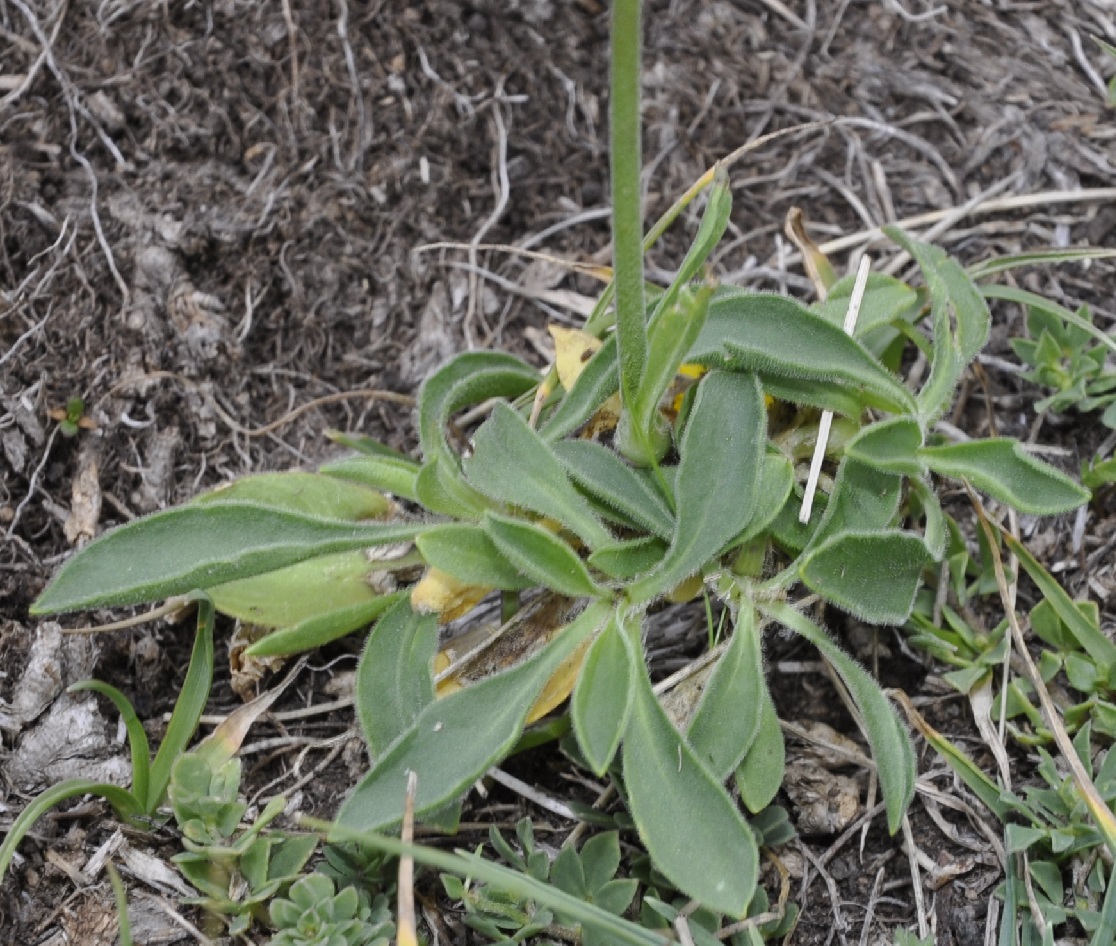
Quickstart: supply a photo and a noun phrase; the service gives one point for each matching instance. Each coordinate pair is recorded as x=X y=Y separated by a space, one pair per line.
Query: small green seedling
x=72 y=417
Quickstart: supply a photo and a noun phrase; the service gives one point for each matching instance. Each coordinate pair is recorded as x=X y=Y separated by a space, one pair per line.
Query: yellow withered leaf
x=440 y=593
x=560 y=685
x=572 y=350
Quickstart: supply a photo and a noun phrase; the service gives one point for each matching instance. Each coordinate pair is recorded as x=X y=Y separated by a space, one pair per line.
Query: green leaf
x=788 y=345
x=886 y=299
x=468 y=553
x=468 y=378
x=891 y=445
x=454 y=740
x=775 y=485
x=691 y=827
x=630 y=558
x=602 y=697
x=541 y=555
x=440 y=487
x=1074 y=254
x=873 y=575
x=670 y=336
x=721 y=452
x=123 y=802
x=322 y=628
x=137 y=736
x=863 y=498
x=760 y=776
x=201 y=546
x=600 y=472
x=309 y=493
x=728 y=716
x=1087 y=634
x=957 y=339
x=598 y=381
x=396 y=476
x=890 y=744
x=188 y=708
x=1004 y=470
x=513 y=464
x=394 y=679
x=298 y=592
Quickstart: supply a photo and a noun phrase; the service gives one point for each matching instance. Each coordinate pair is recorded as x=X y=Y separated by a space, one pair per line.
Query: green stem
x=627 y=223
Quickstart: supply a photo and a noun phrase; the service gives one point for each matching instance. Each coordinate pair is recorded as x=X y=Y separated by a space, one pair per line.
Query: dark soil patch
x=212 y=214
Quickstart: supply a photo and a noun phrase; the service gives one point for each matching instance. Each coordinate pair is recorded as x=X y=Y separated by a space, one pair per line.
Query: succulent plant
x=315 y=914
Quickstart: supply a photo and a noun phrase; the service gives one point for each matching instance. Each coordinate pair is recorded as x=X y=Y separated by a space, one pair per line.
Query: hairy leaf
x=390 y=474
x=290 y=595
x=453 y=741
x=599 y=471
x=630 y=558
x=760 y=776
x=541 y=555
x=394 y=679
x=1004 y=470
x=598 y=381
x=319 y=629
x=602 y=698
x=728 y=716
x=873 y=575
x=721 y=453
x=309 y=493
x=201 y=546
x=468 y=553
x=691 y=827
x=783 y=341
x=891 y=445
x=513 y=464
x=891 y=746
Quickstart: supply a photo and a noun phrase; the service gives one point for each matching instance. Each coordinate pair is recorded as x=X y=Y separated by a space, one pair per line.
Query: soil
x=216 y=214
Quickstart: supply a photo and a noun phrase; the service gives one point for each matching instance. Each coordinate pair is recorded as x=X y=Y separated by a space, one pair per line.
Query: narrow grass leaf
x=514 y=882
x=291 y=595
x=123 y=803
x=188 y=708
x=323 y=628
x=541 y=555
x=602 y=697
x=891 y=445
x=1087 y=634
x=453 y=741
x=727 y=719
x=890 y=744
x=872 y=575
x=137 y=736
x=511 y=463
x=598 y=381
x=308 y=493
x=781 y=339
x=394 y=678
x=201 y=546
x=468 y=553
x=693 y=831
x=760 y=776
x=1002 y=264
x=600 y=472
x=721 y=453
x=1005 y=471
x=391 y=475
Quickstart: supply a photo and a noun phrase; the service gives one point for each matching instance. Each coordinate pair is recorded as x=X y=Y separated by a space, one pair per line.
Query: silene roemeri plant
x=665 y=456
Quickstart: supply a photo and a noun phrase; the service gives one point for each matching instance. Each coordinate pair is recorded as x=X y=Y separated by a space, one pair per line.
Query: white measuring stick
x=827 y=416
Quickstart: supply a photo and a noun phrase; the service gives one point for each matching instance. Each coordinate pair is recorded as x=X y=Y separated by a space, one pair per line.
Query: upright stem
x=627 y=223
